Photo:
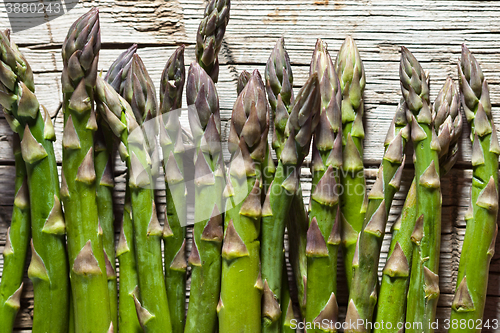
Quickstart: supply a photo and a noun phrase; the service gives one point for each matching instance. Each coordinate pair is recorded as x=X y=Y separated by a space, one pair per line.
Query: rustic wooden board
x=432 y=30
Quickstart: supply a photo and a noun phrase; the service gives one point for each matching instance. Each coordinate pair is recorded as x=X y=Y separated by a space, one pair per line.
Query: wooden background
x=432 y=30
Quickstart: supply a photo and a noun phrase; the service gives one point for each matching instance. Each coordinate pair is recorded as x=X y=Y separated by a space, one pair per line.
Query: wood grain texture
x=432 y=30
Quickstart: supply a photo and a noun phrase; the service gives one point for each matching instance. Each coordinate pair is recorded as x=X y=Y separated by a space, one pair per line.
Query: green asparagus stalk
x=171 y=87
x=78 y=190
x=324 y=234
x=396 y=274
x=241 y=279
x=351 y=75
x=423 y=291
x=151 y=300
x=16 y=246
x=205 y=258
x=125 y=252
x=48 y=268
x=480 y=235
x=363 y=292
x=103 y=148
x=127 y=316
x=279 y=84
x=301 y=123
x=210 y=35
x=139 y=92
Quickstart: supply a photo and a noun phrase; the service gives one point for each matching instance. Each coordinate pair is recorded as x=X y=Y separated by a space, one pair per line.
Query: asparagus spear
x=279 y=84
x=103 y=144
x=396 y=274
x=324 y=233
x=352 y=200
x=210 y=35
x=279 y=87
x=423 y=291
x=363 y=292
x=16 y=247
x=205 y=257
x=85 y=248
x=241 y=277
x=151 y=304
x=139 y=92
x=482 y=229
x=49 y=268
x=125 y=252
x=299 y=128
x=128 y=321
x=172 y=85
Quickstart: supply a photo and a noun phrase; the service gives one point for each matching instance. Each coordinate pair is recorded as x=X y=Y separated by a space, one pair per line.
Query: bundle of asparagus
x=238 y=273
